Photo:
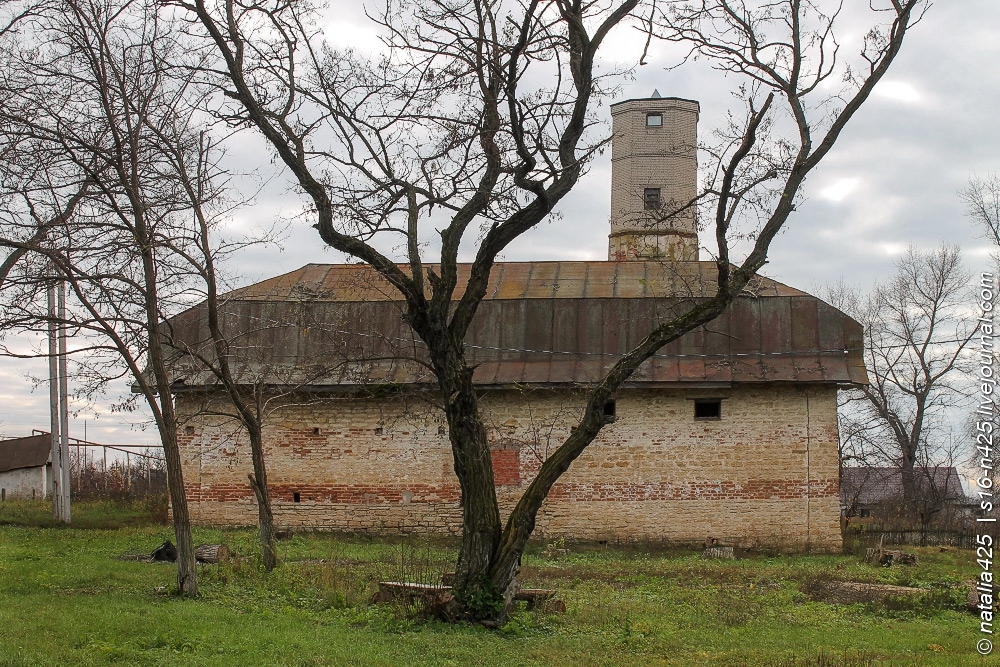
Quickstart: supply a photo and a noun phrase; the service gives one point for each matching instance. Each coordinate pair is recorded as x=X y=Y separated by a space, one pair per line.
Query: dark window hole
x=708 y=409
x=651 y=199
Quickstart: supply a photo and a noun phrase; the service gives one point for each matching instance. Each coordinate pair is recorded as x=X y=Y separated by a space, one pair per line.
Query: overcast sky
x=892 y=181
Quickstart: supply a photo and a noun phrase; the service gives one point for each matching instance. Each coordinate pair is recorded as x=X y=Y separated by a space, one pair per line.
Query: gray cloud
x=908 y=160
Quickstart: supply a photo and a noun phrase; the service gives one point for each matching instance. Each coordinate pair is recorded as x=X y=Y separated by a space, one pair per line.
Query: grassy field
x=66 y=598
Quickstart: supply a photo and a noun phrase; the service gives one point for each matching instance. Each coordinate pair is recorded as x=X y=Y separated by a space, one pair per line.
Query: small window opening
x=378 y=430
x=441 y=430
x=708 y=409
x=189 y=430
x=296 y=497
x=654 y=120
x=609 y=408
x=651 y=198
x=316 y=431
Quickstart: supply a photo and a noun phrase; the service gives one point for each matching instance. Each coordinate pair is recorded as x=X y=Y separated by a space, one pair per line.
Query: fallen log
x=726 y=553
x=212 y=553
x=535 y=597
x=389 y=591
x=890 y=558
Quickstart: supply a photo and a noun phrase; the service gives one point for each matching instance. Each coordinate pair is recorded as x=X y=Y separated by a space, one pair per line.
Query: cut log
x=390 y=591
x=212 y=553
x=553 y=606
x=890 y=558
x=534 y=596
x=726 y=553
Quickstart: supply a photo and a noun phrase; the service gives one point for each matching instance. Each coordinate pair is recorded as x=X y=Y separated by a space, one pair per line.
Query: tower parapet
x=654 y=179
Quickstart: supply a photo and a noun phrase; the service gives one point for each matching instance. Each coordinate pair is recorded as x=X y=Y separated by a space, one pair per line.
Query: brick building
x=729 y=432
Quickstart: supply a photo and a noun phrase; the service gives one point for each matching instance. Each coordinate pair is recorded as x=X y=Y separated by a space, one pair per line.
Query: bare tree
x=255 y=388
x=914 y=337
x=445 y=139
x=982 y=204
x=94 y=118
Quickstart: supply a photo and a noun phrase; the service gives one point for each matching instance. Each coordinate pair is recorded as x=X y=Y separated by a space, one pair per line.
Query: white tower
x=654 y=179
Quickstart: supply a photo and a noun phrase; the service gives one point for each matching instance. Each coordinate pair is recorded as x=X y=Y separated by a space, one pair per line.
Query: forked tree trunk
x=481 y=526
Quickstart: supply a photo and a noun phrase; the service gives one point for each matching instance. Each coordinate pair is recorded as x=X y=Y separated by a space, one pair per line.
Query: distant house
x=25 y=468
x=867 y=492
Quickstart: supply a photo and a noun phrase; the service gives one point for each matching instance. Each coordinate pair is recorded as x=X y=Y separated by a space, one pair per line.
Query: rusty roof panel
x=610 y=336
x=515 y=281
x=805 y=324
x=775 y=325
x=511 y=280
x=661 y=369
x=544 y=281
x=744 y=324
x=572 y=280
x=630 y=280
x=312 y=326
x=691 y=369
x=565 y=316
x=537 y=324
x=639 y=314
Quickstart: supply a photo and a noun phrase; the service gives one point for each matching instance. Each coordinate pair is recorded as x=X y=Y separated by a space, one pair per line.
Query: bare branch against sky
x=891 y=182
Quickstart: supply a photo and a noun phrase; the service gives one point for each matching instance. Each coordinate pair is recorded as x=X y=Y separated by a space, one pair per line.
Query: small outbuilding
x=26 y=467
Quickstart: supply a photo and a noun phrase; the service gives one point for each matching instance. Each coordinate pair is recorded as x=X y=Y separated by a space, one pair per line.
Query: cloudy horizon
x=892 y=182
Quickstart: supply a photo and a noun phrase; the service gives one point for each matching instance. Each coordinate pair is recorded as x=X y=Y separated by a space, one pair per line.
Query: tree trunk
x=265 y=518
x=258 y=482
x=909 y=481
x=187 y=573
x=481 y=525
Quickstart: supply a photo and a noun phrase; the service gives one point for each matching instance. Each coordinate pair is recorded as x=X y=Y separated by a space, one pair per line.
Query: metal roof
x=863 y=485
x=547 y=323
x=512 y=280
x=29 y=452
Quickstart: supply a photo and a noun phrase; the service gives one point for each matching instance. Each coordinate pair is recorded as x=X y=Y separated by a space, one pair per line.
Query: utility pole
x=58 y=403
x=50 y=294
x=64 y=406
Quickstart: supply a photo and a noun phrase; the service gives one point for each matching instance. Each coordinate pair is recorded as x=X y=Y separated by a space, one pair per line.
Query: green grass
x=66 y=599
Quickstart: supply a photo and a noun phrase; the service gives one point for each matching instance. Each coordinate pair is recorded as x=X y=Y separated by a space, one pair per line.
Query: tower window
x=654 y=120
x=296 y=497
x=651 y=199
x=610 y=408
x=710 y=408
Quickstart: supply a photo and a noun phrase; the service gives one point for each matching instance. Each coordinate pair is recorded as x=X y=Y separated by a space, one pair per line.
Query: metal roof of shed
x=29 y=452
x=542 y=323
